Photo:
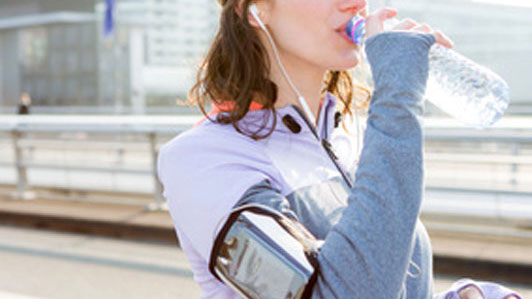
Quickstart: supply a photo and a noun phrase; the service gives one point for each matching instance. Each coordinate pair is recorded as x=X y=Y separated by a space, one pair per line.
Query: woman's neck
x=306 y=78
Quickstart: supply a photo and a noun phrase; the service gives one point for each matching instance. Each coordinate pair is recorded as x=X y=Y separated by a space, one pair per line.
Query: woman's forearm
x=367 y=253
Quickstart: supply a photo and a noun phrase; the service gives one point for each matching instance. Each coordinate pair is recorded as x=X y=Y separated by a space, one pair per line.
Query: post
x=159 y=203
x=136 y=77
x=514 y=166
x=22 y=178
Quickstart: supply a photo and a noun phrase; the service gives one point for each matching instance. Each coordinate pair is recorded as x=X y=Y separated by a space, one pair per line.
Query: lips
x=353 y=30
x=342 y=31
x=344 y=35
x=343 y=27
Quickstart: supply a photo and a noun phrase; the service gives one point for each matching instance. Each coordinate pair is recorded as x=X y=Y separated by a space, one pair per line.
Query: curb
x=483 y=269
x=90 y=226
x=480 y=269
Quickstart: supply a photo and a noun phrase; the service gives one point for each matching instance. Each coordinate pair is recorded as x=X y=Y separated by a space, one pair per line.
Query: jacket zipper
x=326 y=146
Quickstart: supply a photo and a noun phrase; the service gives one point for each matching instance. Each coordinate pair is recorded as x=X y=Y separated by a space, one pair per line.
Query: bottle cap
x=356 y=29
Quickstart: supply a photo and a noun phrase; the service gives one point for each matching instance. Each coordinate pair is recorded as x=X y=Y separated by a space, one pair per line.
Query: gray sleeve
x=367 y=253
x=263 y=193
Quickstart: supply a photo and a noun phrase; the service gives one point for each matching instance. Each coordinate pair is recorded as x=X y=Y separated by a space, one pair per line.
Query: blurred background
x=56 y=52
x=90 y=89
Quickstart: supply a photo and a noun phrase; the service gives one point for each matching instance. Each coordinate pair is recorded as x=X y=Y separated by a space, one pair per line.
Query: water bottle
x=457 y=85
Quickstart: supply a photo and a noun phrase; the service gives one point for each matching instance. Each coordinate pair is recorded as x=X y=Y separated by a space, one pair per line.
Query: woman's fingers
x=405 y=24
x=375 y=25
x=470 y=292
x=364 y=13
x=386 y=13
x=423 y=28
x=443 y=40
x=375 y=21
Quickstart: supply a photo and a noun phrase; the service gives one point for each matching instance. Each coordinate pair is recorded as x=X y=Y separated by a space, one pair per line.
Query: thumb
x=386 y=13
x=375 y=21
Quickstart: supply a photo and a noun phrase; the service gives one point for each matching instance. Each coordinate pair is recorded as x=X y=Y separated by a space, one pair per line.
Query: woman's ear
x=251 y=19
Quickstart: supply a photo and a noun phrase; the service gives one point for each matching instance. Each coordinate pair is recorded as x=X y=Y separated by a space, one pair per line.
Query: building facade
x=55 y=49
x=62 y=59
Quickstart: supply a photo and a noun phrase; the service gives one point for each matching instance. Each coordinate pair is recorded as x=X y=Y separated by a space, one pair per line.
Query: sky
x=518 y=3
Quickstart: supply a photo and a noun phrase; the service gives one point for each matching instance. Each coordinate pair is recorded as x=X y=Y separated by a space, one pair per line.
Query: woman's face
x=312 y=31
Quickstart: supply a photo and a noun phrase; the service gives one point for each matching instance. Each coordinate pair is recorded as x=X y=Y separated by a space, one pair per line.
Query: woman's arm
x=367 y=253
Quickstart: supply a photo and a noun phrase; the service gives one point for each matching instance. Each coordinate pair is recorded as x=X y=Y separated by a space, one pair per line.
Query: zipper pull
x=328 y=147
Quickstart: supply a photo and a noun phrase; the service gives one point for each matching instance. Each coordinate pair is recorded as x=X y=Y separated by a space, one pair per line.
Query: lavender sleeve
x=489 y=290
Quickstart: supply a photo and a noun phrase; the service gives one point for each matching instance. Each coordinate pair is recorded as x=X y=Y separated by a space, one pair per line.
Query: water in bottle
x=458 y=86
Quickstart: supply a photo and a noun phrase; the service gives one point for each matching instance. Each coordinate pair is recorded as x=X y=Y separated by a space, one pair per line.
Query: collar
x=221 y=108
x=325 y=118
x=326 y=112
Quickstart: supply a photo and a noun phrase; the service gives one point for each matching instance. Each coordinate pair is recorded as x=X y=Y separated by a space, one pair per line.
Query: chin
x=345 y=63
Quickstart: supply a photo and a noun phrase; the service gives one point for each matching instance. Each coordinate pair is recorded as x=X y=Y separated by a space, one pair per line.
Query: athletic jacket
x=375 y=246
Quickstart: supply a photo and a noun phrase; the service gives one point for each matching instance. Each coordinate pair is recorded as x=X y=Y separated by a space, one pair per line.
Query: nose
x=353 y=6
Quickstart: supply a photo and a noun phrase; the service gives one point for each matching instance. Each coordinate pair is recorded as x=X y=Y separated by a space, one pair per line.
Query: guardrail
x=123 y=142
x=500 y=156
x=150 y=128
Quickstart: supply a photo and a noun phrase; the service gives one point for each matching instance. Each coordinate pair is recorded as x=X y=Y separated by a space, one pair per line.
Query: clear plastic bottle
x=464 y=89
x=457 y=85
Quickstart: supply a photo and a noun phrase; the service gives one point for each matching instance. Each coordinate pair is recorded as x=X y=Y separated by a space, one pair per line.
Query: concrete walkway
x=479 y=256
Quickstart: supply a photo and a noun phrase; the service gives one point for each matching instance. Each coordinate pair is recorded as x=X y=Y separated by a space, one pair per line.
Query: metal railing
x=129 y=145
x=500 y=156
x=26 y=136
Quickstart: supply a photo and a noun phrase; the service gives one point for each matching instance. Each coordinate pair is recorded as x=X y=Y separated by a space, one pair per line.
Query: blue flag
x=109 y=22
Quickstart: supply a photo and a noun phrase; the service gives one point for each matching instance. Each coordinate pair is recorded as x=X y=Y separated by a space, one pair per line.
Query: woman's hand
x=470 y=292
x=375 y=25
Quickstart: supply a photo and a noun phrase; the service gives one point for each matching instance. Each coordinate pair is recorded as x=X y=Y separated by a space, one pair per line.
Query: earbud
x=253 y=8
x=255 y=12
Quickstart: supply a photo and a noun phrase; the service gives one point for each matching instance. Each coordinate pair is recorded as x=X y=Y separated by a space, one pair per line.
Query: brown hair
x=236 y=71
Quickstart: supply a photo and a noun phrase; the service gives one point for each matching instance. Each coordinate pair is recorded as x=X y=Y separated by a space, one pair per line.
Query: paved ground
x=54 y=265
x=135 y=221
x=88 y=263
x=39 y=264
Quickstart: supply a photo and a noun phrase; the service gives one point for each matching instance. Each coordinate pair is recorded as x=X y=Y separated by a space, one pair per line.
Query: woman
x=270 y=141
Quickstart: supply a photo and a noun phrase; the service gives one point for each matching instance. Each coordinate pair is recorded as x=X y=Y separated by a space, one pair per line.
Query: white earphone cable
x=301 y=99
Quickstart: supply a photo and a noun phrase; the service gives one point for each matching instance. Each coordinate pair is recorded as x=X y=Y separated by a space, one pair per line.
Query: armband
x=260 y=253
